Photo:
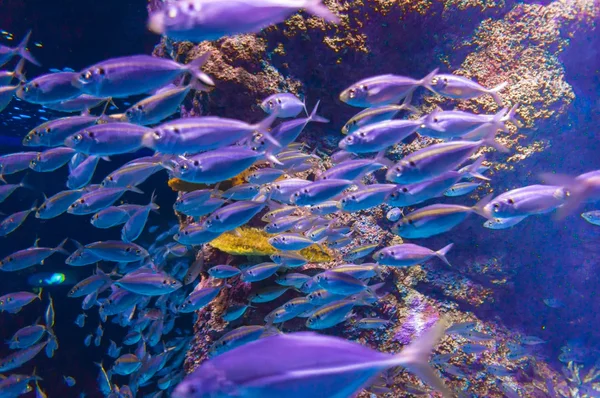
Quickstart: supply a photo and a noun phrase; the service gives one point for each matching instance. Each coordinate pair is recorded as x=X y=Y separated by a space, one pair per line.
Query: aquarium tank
x=299 y=198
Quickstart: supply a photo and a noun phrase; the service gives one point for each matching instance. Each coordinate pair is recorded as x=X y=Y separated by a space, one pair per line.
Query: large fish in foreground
x=313 y=366
x=199 y=20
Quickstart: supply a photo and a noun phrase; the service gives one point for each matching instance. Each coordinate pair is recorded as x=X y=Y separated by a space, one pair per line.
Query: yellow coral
x=255 y=242
x=183 y=186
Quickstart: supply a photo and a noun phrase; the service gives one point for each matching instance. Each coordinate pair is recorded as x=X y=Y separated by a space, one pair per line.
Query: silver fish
x=78 y=104
x=526 y=201
x=459 y=87
x=29 y=257
x=284 y=105
x=54 y=132
x=503 y=223
x=182 y=21
x=53 y=87
x=108 y=139
x=99 y=199
x=319 y=191
x=15 y=360
x=374 y=115
x=408 y=254
x=153 y=109
x=51 y=159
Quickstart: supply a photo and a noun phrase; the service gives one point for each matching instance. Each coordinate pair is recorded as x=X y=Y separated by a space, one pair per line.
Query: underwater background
x=538 y=278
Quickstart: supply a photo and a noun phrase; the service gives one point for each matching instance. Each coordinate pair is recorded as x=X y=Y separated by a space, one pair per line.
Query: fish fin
x=318 y=9
x=472 y=170
x=491 y=141
x=494 y=92
x=271 y=158
x=195 y=66
x=40 y=293
x=134 y=189
x=510 y=116
x=576 y=192
x=263 y=127
x=2 y=179
x=426 y=81
x=60 y=248
x=408 y=107
x=408 y=98
x=479 y=206
x=313 y=117
x=18 y=73
x=21 y=49
x=441 y=254
x=380 y=158
x=415 y=358
x=153 y=206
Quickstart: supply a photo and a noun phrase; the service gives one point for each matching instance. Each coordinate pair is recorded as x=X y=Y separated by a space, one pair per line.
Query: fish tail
x=494 y=92
x=40 y=293
x=491 y=141
x=21 y=49
x=380 y=158
x=19 y=70
x=153 y=206
x=194 y=68
x=263 y=128
x=2 y=179
x=317 y=8
x=441 y=254
x=426 y=81
x=25 y=183
x=575 y=193
x=510 y=116
x=60 y=248
x=472 y=170
x=479 y=206
x=415 y=358
x=313 y=117
x=134 y=189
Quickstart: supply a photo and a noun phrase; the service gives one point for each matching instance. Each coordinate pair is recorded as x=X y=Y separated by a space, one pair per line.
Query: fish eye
x=127 y=250
x=435 y=119
x=77 y=137
x=157 y=135
x=404 y=189
x=175 y=130
x=196 y=163
x=87 y=75
x=410 y=221
x=186 y=233
x=352 y=93
x=26 y=89
x=349 y=138
x=48 y=129
x=362 y=134
x=445 y=80
x=165 y=282
x=496 y=206
x=90 y=134
x=411 y=163
x=138 y=251
x=184 y=166
x=271 y=103
x=511 y=201
x=101 y=71
x=363 y=87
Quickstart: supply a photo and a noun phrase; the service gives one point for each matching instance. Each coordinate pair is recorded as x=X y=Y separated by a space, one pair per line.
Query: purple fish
x=137 y=74
x=305 y=365
x=77 y=104
x=384 y=90
x=83 y=173
x=200 y=20
x=15 y=162
x=7 y=189
x=14 y=302
x=12 y=222
x=284 y=105
x=527 y=201
x=53 y=87
x=459 y=87
x=54 y=132
x=94 y=201
x=30 y=257
x=108 y=139
x=153 y=109
x=408 y=254
x=52 y=159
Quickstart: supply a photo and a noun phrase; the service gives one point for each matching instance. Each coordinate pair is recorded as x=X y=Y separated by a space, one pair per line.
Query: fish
x=234 y=312
x=345 y=367
x=91 y=284
x=461 y=188
x=289 y=259
x=113 y=216
x=148 y=283
x=459 y=87
x=241 y=192
x=131 y=174
x=117 y=251
x=436 y=219
x=526 y=201
x=264 y=176
x=15 y=220
x=319 y=191
x=461 y=327
x=53 y=133
x=136 y=223
x=7 y=53
x=325 y=208
x=372 y=323
x=408 y=254
x=194 y=269
x=108 y=139
x=137 y=74
x=126 y=364
x=593 y=217
x=223 y=271
x=355 y=169
x=15 y=162
x=474 y=348
x=180 y=21
x=476 y=336
x=531 y=340
x=268 y=294
x=99 y=199
x=259 y=272
x=51 y=159
x=282 y=224
x=384 y=90
x=7 y=189
x=503 y=223
x=282 y=191
x=374 y=115
x=340 y=283
x=69 y=381
x=52 y=87
x=82 y=175
x=198 y=299
x=195 y=234
x=331 y=314
x=26 y=337
x=14 y=302
x=80 y=103
x=435 y=160
x=321 y=296
x=17 y=359
x=365 y=198
x=231 y=216
x=192 y=135
x=153 y=109
x=284 y=105
x=214 y=166
x=80 y=320
x=290 y=242
x=50 y=313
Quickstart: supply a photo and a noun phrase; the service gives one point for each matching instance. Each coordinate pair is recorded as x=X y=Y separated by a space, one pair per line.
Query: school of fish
x=148 y=288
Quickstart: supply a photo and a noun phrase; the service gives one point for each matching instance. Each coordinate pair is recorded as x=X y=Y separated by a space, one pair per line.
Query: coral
x=254 y=242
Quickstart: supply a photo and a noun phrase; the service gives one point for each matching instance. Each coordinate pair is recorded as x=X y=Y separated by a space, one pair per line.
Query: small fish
x=259 y=272
x=503 y=223
x=223 y=271
x=461 y=327
x=113 y=216
x=30 y=257
x=372 y=323
x=360 y=251
x=241 y=192
x=282 y=191
x=408 y=254
x=526 y=201
x=83 y=173
x=16 y=359
x=461 y=188
x=593 y=217
x=325 y=208
x=132 y=174
x=476 y=336
x=78 y=104
x=459 y=87
x=56 y=205
x=199 y=299
x=98 y=199
x=366 y=197
x=118 y=251
x=282 y=224
x=195 y=234
x=194 y=269
x=291 y=242
x=108 y=139
x=233 y=215
x=137 y=74
x=26 y=337
x=321 y=296
x=80 y=320
x=52 y=87
x=436 y=219
x=474 y=348
x=14 y=302
x=148 y=283
x=157 y=107
x=531 y=340
x=69 y=381
x=374 y=115
x=268 y=294
x=340 y=283
x=236 y=338
x=384 y=90
x=234 y=312
x=126 y=364
x=289 y=259
x=136 y=223
x=264 y=176
x=90 y=284
x=284 y=105
x=7 y=189
x=360 y=271
x=180 y=21
x=331 y=314
x=88 y=340
x=50 y=313
x=53 y=133
x=15 y=162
